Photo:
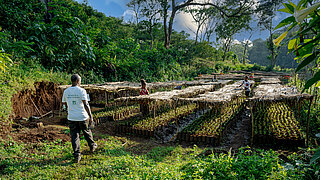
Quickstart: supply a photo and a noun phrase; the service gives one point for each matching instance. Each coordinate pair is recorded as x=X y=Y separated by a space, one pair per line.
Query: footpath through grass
x=121 y=158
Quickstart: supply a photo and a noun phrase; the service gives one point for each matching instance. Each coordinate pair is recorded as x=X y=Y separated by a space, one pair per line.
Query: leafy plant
x=305 y=41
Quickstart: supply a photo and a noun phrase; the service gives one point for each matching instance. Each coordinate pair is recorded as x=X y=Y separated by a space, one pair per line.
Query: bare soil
x=44 y=98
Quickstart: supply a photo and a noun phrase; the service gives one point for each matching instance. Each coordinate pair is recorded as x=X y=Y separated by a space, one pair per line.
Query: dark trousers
x=75 y=128
x=247 y=93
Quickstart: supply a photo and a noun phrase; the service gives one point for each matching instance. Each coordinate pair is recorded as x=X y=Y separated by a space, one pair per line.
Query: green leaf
x=308 y=60
x=305 y=50
x=314 y=40
x=292 y=4
x=311 y=81
x=285 y=10
x=292 y=26
x=288 y=8
x=280 y=38
x=292 y=43
x=301 y=4
x=315 y=157
x=286 y=21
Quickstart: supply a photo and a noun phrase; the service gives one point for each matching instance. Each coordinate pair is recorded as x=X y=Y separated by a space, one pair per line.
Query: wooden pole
x=105 y=98
x=35 y=107
x=308 y=122
x=252 y=124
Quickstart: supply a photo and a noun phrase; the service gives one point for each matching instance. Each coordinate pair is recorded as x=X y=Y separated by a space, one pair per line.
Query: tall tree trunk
x=197 y=35
x=244 y=54
x=166 y=37
x=170 y=26
x=272 y=49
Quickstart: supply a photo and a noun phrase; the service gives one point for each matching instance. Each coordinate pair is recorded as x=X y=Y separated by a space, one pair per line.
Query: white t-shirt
x=73 y=96
x=246 y=85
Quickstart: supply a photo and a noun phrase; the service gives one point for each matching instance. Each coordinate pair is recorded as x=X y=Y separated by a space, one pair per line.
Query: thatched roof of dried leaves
x=268 y=90
x=125 y=85
x=224 y=94
x=174 y=94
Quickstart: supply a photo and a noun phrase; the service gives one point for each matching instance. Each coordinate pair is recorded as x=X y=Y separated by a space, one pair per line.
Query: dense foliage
x=72 y=37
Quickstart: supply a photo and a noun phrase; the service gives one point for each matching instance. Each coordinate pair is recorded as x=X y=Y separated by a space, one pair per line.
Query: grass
x=122 y=158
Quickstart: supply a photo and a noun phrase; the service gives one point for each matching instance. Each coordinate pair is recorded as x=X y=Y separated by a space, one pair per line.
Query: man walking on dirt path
x=79 y=116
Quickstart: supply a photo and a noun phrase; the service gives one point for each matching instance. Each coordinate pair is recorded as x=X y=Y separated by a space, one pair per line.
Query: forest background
x=67 y=36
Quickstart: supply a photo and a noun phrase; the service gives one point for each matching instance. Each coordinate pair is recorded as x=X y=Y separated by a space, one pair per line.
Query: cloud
x=122 y=3
x=185 y=22
x=128 y=15
x=236 y=41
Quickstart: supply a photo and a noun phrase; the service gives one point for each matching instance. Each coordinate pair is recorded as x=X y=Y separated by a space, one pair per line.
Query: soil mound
x=44 y=98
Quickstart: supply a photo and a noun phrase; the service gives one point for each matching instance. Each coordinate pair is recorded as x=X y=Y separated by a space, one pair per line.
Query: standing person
x=143 y=90
x=246 y=84
x=144 y=108
x=79 y=116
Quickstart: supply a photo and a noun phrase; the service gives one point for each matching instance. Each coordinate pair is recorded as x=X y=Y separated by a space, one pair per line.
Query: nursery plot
x=270 y=81
x=211 y=127
x=105 y=94
x=147 y=125
x=273 y=110
x=225 y=103
x=275 y=122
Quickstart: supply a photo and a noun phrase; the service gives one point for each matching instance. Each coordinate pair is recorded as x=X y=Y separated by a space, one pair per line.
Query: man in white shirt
x=79 y=115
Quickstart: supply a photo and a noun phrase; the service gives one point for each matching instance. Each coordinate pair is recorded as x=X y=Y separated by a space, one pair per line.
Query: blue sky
x=118 y=8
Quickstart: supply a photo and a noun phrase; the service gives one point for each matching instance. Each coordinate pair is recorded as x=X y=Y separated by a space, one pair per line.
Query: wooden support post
x=308 y=122
x=252 y=124
x=105 y=98
x=299 y=104
x=154 y=110
x=35 y=107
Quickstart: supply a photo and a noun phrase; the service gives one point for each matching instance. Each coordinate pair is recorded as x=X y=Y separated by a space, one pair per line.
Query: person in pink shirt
x=144 y=107
x=143 y=90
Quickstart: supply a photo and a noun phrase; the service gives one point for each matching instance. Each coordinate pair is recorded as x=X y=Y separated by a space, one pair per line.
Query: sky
x=183 y=21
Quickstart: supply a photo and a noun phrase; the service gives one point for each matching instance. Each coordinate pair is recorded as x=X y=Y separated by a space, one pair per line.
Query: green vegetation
x=19 y=77
x=116 y=112
x=166 y=118
x=277 y=120
x=120 y=158
x=214 y=122
x=48 y=42
x=304 y=42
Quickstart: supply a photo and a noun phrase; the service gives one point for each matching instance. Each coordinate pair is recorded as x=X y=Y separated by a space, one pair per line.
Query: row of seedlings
x=115 y=113
x=212 y=126
x=164 y=110
x=224 y=105
x=274 y=122
x=164 y=115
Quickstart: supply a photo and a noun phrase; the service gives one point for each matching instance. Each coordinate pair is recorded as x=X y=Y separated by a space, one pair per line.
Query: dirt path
x=239 y=135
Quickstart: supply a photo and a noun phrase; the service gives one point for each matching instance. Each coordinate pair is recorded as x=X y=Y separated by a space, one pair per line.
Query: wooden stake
x=308 y=122
x=35 y=107
x=252 y=124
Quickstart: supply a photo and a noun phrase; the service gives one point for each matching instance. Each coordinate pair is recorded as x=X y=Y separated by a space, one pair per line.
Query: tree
x=228 y=28
x=210 y=24
x=229 y=9
x=135 y=6
x=266 y=13
x=200 y=16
